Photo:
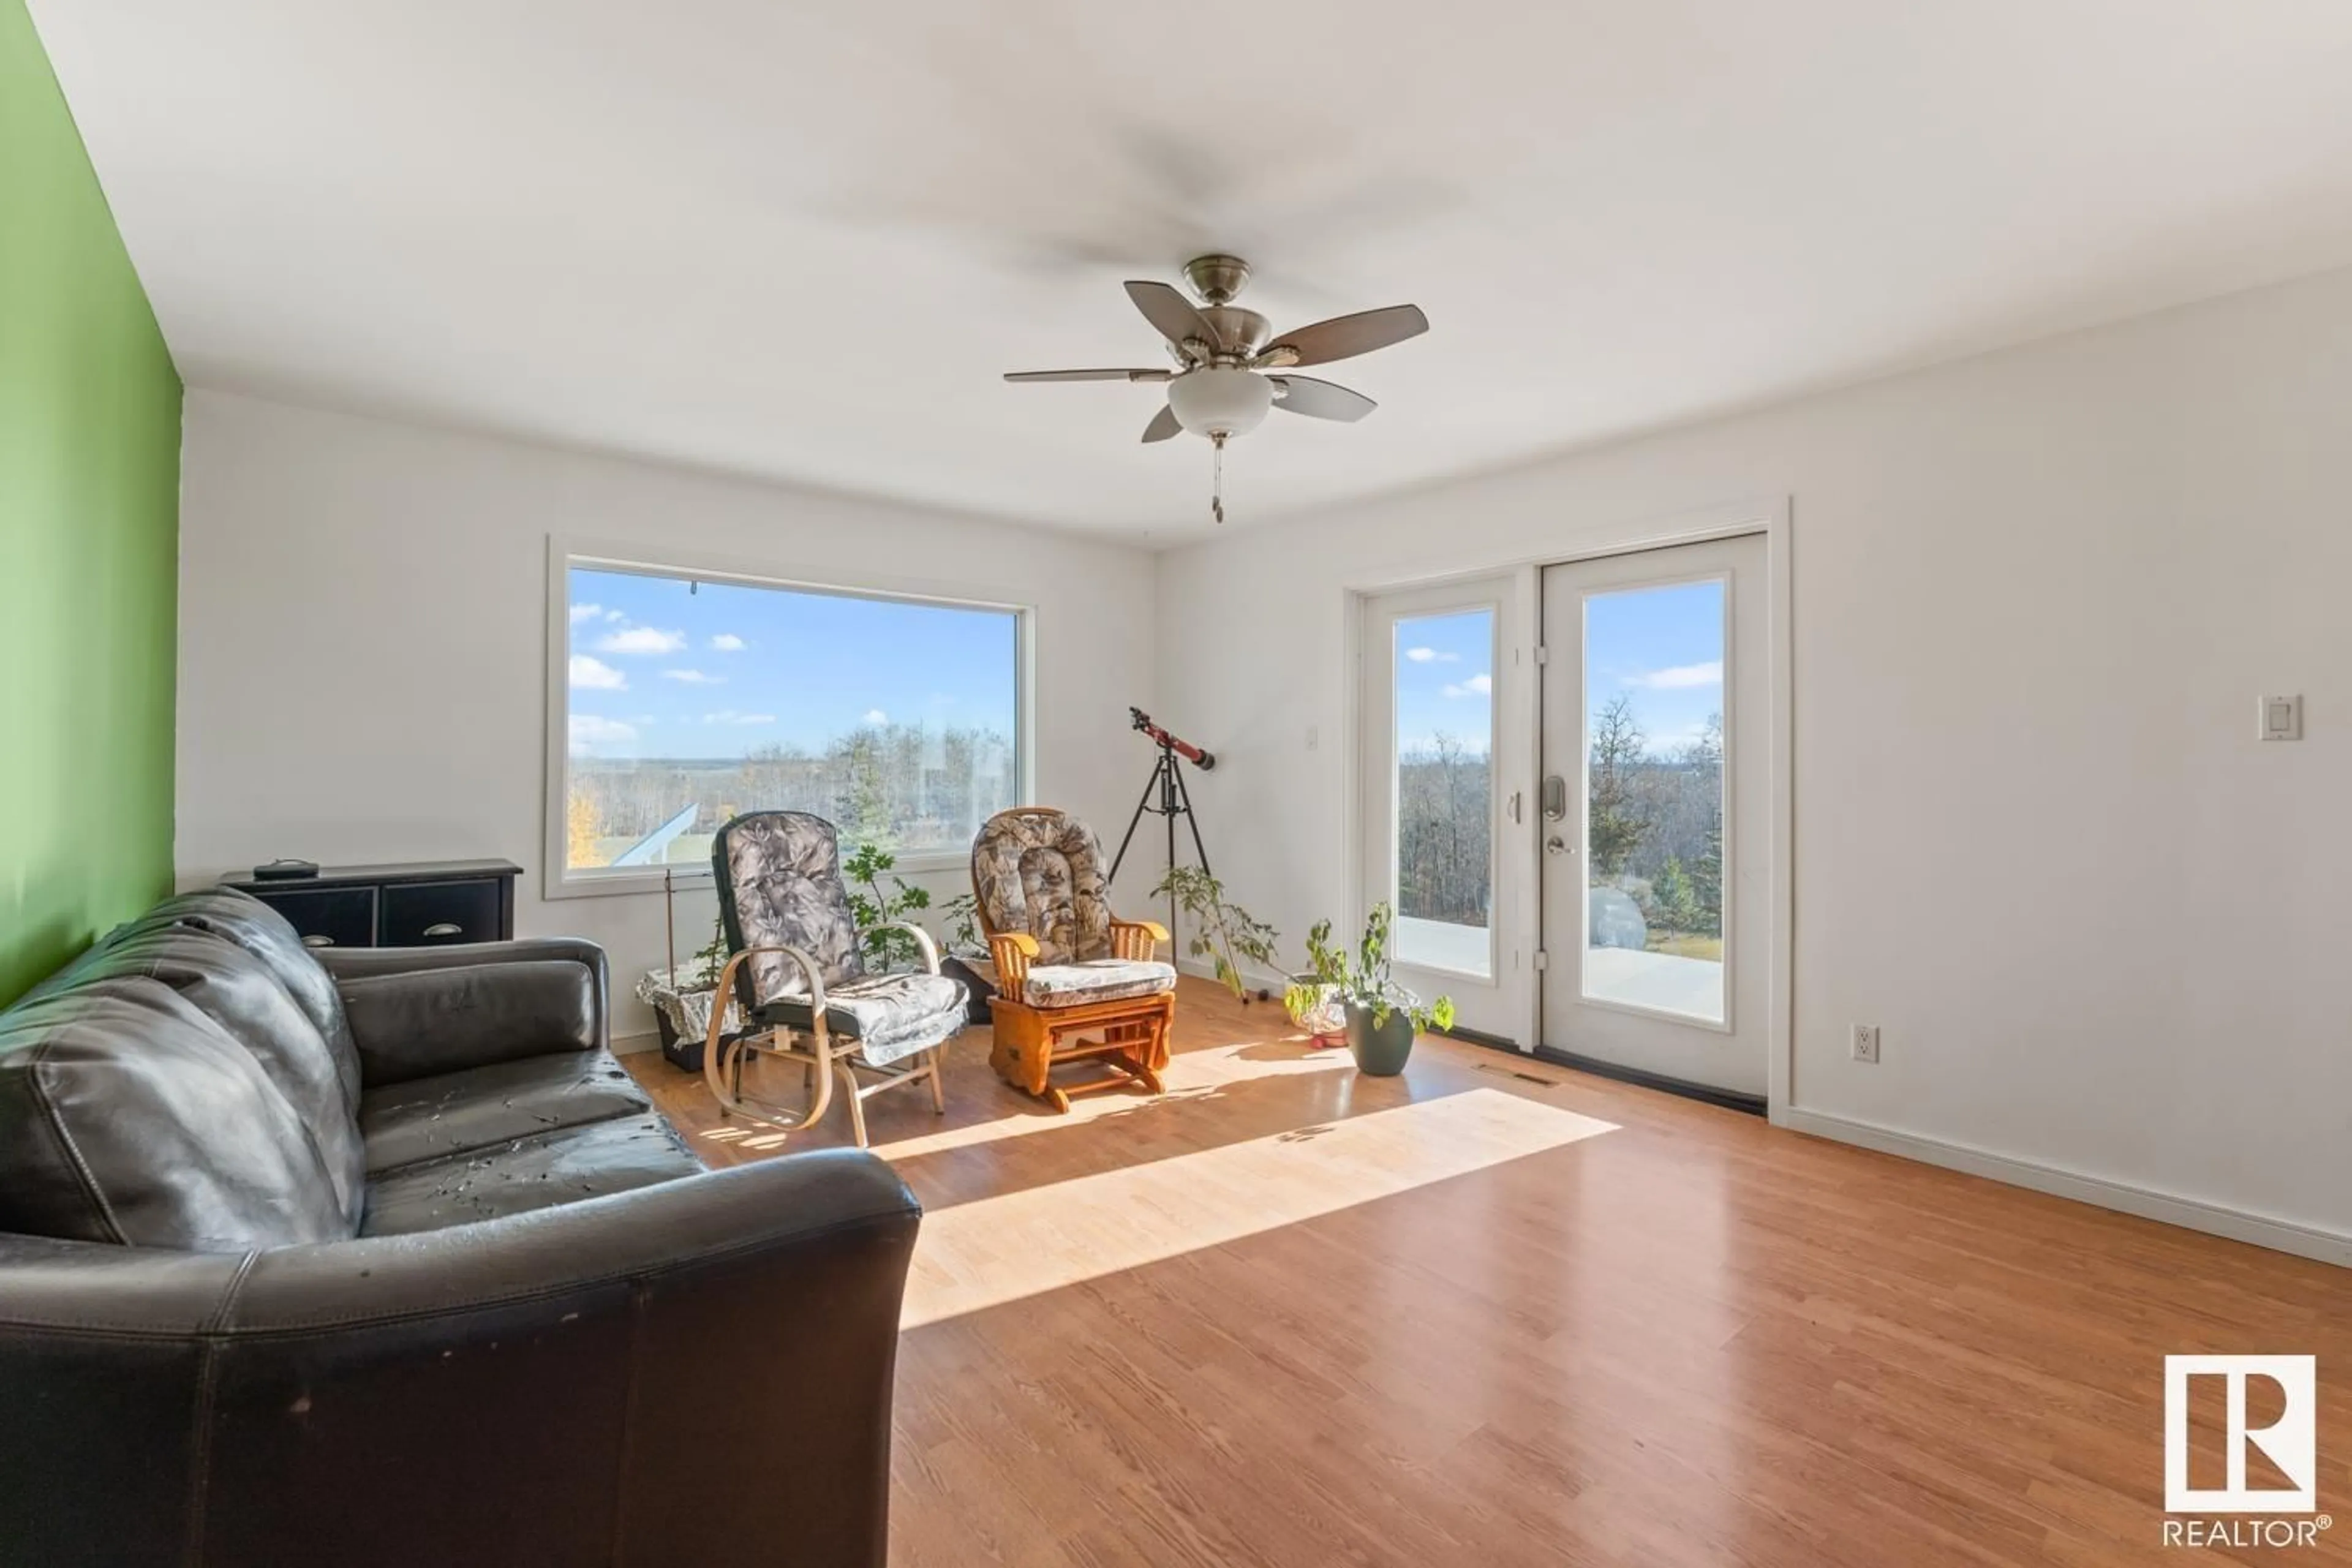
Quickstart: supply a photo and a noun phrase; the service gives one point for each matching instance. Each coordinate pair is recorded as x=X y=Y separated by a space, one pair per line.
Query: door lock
x=1555 y=844
x=1555 y=798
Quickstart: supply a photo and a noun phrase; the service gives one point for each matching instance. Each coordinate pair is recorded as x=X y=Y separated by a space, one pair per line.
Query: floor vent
x=1522 y=1077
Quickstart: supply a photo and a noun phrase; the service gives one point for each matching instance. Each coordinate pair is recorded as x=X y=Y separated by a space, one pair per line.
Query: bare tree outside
x=1655 y=829
x=1445 y=833
x=901 y=786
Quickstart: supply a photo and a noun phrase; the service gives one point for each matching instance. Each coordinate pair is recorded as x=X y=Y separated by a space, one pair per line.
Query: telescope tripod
x=1164 y=795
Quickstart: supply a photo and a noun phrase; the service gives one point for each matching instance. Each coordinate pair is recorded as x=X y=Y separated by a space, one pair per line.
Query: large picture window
x=689 y=698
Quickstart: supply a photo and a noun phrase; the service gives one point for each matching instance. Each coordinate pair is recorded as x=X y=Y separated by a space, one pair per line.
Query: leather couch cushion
x=271 y=937
x=426 y=1022
x=243 y=995
x=128 y=1116
x=482 y=1107
x=527 y=1173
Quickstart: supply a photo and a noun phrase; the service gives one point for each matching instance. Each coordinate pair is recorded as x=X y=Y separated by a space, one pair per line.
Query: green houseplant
x=875 y=907
x=1224 y=933
x=1383 y=1015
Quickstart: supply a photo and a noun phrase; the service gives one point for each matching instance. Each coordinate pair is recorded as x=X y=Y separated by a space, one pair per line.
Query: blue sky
x=1661 y=647
x=1664 y=648
x=657 y=670
x=1445 y=676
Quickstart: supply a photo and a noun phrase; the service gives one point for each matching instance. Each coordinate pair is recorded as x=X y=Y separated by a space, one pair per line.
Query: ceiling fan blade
x=1089 y=375
x=1344 y=337
x=1163 y=426
x=1173 y=314
x=1320 y=399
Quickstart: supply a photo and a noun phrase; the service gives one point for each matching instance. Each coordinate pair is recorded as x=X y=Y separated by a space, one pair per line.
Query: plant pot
x=1322 y=1018
x=1381 y=1050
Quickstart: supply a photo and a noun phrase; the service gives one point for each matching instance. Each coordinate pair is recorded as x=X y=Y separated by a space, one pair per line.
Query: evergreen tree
x=1676 y=903
x=1706 y=879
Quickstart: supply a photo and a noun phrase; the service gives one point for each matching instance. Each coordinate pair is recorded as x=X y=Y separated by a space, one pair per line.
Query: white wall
x=2104 y=931
x=362 y=641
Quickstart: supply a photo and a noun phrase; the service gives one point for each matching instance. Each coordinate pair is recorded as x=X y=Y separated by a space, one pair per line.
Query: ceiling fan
x=1232 y=367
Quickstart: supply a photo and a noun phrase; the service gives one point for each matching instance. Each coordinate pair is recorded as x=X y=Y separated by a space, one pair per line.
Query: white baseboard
x=636 y=1044
x=2193 y=1213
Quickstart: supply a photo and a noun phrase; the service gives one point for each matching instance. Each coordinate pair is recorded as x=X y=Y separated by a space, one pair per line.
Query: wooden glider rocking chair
x=1065 y=967
x=797 y=974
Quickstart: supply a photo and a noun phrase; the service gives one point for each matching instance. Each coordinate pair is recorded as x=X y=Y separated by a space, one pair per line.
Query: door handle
x=1556 y=845
x=1518 y=803
x=316 y=941
x=1555 y=798
x=444 y=928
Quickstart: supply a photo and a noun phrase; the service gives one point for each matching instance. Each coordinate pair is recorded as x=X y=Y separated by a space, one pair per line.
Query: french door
x=1449 y=711
x=1655 y=848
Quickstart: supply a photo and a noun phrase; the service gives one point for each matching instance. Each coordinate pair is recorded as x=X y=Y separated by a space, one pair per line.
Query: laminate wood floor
x=1287 y=1315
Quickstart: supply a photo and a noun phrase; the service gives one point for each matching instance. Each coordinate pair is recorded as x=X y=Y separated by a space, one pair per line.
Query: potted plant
x=1382 y=1016
x=876 y=908
x=1224 y=933
x=966 y=957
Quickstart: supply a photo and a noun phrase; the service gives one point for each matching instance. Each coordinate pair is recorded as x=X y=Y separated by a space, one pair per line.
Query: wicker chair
x=1065 y=967
x=795 y=970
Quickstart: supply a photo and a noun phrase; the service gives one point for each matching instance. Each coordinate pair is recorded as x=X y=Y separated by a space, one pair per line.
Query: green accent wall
x=89 y=524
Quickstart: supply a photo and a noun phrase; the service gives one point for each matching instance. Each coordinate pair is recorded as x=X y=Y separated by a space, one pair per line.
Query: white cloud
x=1680 y=677
x=693 y=678
x=585 y=613
x=875 y=716
x=589 y=732
x=1430 y=656
x=1477 y=686
x=596 y=674
x=727 y=642
x=729 y=716
x=641 y=639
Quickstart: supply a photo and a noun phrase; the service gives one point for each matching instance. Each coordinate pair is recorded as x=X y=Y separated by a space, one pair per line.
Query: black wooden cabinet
x=425 y=904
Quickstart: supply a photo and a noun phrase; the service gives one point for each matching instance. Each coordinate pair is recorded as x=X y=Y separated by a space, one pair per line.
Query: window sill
x=927 y=863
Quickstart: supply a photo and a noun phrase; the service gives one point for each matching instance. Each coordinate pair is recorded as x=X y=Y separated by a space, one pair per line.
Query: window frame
x=558 y=879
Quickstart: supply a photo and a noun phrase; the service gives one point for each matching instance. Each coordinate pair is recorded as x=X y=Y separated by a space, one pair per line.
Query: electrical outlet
x=1866 y=1042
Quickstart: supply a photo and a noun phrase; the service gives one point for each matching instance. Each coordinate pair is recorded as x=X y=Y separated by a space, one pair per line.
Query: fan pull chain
x=1217 y=477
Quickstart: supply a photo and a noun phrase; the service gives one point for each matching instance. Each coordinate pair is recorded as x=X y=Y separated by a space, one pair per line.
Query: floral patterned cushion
x=1038 y=871
x=889 y=1016
x=1095 y=980
x=779 y=885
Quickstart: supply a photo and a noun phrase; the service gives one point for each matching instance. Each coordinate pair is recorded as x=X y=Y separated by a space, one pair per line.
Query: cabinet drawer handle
x=444 y=928
x=318 y=942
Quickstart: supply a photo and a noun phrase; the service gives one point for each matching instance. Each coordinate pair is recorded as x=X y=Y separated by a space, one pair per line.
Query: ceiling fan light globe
x=1218 y=400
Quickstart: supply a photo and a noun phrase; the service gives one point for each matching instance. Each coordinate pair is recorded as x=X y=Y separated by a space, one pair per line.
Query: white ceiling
x=802 y=241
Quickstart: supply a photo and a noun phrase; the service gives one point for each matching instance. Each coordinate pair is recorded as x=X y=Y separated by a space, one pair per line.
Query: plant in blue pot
x=1383 y=1015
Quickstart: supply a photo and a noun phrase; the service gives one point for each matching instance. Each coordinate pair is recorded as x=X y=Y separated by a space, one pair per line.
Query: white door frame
x=1772 y=519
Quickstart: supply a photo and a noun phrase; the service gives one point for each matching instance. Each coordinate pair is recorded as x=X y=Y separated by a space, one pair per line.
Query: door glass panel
x=1653 y=662
x=1446 y=791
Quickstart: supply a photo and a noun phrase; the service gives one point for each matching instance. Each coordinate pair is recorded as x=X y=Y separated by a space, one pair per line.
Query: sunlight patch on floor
x=1188 y=1076
x=993 y=1250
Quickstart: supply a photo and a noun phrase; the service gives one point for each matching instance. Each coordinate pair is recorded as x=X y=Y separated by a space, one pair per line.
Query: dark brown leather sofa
x=380 y=1258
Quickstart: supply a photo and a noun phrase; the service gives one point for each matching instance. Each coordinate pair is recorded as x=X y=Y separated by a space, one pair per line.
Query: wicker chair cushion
x=1095 y=980
x=778 y=875
x=1041 y=871
x=889 y=1016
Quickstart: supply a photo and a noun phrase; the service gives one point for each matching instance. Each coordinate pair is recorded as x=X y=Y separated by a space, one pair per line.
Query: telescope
x=1185 y=749
x=1164 y=795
